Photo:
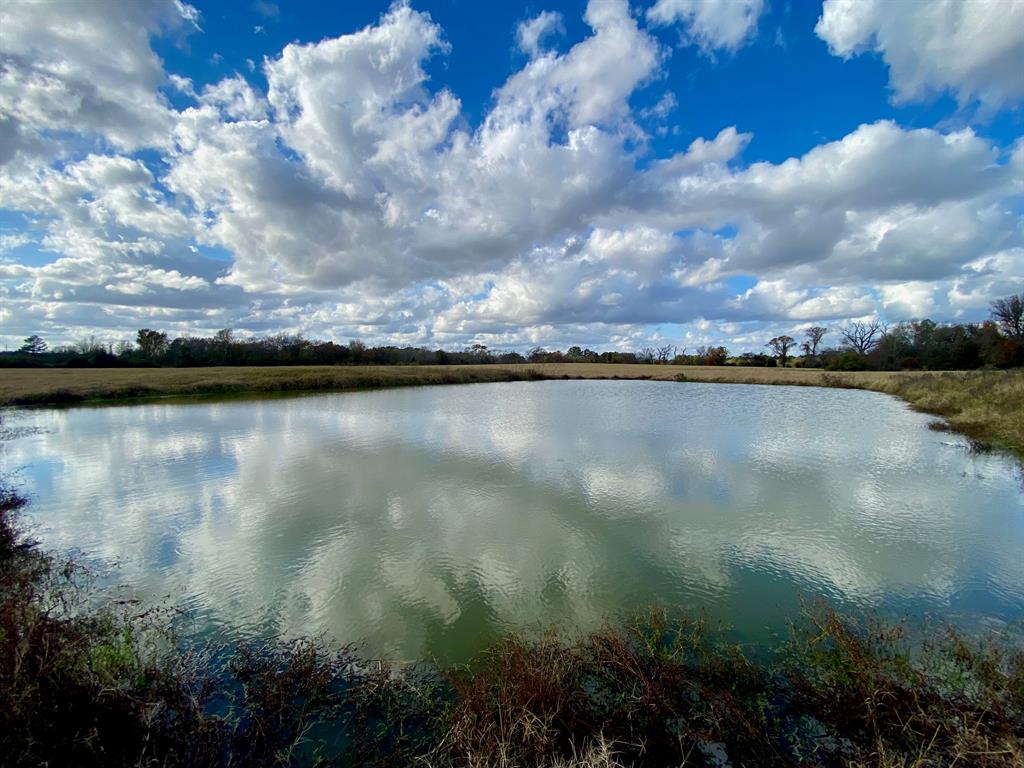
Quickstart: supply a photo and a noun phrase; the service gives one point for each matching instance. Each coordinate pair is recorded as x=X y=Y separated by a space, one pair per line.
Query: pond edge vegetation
x=89 y=681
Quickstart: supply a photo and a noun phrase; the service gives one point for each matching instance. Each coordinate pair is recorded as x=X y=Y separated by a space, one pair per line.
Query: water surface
x=429 y=520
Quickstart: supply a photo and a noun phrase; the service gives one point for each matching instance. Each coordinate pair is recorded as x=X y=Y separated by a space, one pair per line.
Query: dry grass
x=944 y=701
x=988 y=406
x=657 y=691
x=653 y=691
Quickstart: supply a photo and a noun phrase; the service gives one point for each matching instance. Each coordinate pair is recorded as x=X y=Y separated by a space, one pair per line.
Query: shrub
x=848 y=361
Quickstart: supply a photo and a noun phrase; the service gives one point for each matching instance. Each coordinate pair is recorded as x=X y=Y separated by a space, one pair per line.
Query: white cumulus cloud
x=352 y=197
x=711 y=24
x=971 y=48
x=531 y=33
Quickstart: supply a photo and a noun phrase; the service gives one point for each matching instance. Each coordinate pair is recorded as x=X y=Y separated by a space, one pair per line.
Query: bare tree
x=666 y=353
x=781 y=345
x=1009 y=313
x=813 y=337
x=89 y=345
x=645 y=355
x=862 y=337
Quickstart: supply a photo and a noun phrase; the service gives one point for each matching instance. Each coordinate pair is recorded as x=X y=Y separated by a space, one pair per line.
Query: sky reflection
x=431 y=519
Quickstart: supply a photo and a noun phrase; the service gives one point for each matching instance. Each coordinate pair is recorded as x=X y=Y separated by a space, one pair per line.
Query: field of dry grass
x=988 y=406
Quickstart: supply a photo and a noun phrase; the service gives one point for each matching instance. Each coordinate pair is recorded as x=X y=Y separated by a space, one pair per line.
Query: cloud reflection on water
x=431 y=519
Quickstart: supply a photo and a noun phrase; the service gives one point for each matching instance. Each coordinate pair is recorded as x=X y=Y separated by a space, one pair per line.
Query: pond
x=426 y=521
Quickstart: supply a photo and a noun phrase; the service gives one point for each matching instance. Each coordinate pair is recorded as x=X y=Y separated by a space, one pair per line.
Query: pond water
x=425 y=521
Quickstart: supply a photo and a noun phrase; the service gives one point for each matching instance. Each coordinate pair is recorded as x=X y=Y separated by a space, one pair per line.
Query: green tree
x=34 y=345
x=713 y=355
x=153 y=344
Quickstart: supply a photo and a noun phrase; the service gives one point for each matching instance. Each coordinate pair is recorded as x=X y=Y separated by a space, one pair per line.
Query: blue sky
x=784 y=86
x=440 y=173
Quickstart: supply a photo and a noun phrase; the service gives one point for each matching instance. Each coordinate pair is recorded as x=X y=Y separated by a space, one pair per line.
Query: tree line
x=913 y=345
x=861 y=345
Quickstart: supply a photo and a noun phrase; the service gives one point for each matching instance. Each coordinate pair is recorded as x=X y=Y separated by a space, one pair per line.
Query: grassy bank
x=988 y=406
x=109 y=686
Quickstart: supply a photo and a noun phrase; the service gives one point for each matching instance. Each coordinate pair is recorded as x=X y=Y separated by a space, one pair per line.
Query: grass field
x=987 y=406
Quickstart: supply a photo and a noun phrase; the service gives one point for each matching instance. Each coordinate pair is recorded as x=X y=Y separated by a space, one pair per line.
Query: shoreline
x=985 y=406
